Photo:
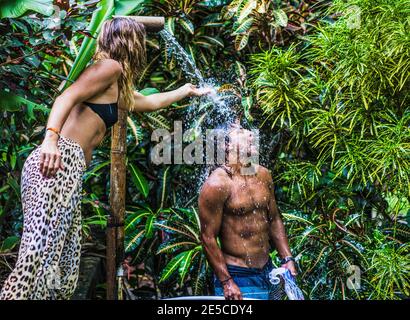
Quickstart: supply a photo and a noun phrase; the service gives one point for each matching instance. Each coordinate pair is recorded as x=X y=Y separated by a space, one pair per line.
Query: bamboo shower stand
x=115 y=223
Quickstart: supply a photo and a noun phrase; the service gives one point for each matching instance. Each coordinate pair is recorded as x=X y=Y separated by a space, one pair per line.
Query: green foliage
x=329 y=92
x=338 y=99
x=104 y=11
x=343 y=94
x=183 y=243
x=16 y=8
x=389 y=271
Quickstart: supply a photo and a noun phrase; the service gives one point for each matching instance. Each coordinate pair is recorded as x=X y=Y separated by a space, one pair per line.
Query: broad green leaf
x=241 y=40
x=191 y=52
x=92 y=172
x=214 y=40
x=172 y=266
x=139 y=180
x=16 y=8
x=148 y=91
x=187 y=25
x=281 y=17
x=149 y=226
x=127 y=7
x=244 y=26
x=247 y=105
x=240 y=70
x=172 y=247
x=133 y=240
x=103 y=12
x=170 y=24
x=135 y=218
x=246 y=10
x=9 y=243
x=11 y=102
x=185 y=265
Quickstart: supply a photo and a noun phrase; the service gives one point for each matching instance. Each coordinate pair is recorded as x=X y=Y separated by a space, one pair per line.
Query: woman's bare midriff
x=84 y=126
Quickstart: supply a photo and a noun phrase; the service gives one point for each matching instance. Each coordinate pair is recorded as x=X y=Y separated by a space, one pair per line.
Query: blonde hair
x=123 y=39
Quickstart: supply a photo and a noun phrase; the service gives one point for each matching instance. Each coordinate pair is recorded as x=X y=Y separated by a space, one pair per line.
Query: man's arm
x=212 y=197
x=277 y=230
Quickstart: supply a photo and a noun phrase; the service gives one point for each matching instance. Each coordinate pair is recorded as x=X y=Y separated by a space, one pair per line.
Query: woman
x=51 y=181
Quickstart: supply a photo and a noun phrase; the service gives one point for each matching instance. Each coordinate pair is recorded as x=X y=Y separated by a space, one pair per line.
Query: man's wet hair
x=227 y=128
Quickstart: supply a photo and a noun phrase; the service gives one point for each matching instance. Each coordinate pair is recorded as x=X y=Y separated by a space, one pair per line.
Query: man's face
x=241 y=146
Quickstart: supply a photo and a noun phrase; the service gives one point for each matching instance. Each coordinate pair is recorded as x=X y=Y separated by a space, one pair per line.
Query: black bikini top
x=107 y=111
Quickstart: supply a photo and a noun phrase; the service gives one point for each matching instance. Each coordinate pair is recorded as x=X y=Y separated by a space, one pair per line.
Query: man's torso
x=245 y=226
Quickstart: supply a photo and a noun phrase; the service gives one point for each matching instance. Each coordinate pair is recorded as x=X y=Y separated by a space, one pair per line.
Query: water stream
x=215 y=110
x=211 y=111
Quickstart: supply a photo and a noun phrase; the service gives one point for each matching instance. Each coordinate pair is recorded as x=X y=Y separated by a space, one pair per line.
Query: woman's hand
x=50 y=158
x=192 y=90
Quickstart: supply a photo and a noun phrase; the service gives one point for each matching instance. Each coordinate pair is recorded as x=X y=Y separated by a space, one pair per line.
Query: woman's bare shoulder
x=105 y=68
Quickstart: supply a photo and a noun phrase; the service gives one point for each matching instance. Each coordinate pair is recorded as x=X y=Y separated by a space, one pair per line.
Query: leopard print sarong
x=49 y=255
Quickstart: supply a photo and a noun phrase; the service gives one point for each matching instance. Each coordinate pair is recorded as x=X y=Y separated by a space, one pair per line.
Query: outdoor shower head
x=151 y=24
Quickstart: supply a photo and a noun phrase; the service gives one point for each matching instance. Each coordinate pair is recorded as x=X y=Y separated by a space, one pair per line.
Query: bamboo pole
x=151 y=24
x=115 y=225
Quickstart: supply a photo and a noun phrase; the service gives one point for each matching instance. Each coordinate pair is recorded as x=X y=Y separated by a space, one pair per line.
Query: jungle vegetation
x=327 y=84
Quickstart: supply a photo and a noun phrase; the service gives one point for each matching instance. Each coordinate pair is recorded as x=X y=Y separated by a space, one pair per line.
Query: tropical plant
x=182 y=243
x=330 y=95
x=326 y=81
x=270 y=22
x=388 y=270
x=14 y=9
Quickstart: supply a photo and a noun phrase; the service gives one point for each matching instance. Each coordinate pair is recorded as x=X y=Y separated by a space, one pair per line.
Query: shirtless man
x=241 y=210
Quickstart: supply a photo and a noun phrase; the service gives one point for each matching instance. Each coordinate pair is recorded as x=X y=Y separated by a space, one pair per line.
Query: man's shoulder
x=263 y=172
x=216 y=187
x=261 y=169
x=218 y=178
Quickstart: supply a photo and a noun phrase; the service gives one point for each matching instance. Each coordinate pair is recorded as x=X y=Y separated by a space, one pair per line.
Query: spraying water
x=185 y=61
x=215 y=110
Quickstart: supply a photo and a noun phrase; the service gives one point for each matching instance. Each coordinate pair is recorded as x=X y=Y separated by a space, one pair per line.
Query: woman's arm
x=162 y=100
x=93 y=81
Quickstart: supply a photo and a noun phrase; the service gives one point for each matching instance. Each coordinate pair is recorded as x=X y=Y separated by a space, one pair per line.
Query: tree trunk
x=115 y=225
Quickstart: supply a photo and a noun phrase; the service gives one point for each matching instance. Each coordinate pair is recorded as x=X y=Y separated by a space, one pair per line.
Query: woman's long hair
x=123 y=39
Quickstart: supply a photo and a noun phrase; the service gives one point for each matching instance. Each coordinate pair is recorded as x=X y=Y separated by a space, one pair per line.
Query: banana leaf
x=17 y=8
x=105 y=10
x=12 y=102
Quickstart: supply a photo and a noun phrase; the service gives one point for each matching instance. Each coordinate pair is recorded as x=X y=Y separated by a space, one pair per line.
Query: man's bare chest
x=246 y=196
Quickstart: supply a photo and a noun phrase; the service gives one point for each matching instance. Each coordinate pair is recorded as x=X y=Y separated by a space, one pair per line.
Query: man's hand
x=232 y=291
x=291 y=266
